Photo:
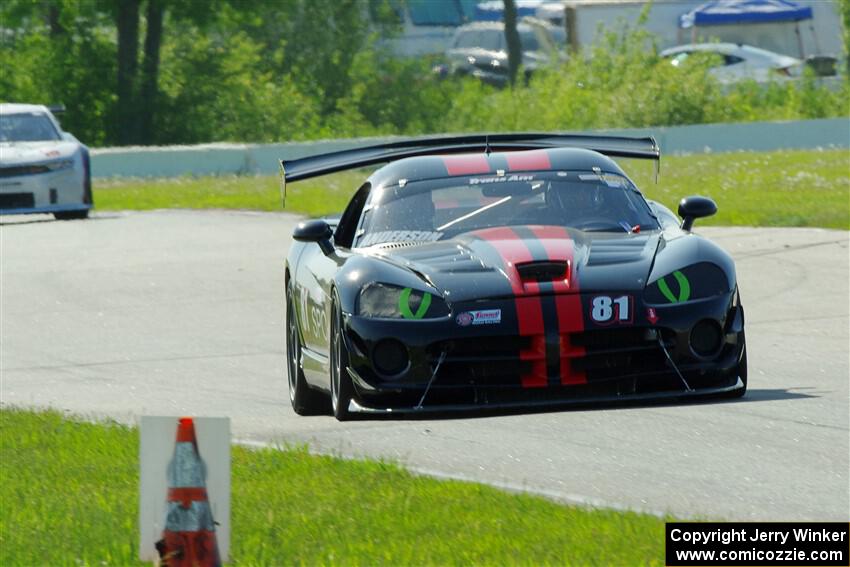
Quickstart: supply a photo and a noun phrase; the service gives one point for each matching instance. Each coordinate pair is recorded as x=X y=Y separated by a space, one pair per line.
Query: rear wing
x=322 y=164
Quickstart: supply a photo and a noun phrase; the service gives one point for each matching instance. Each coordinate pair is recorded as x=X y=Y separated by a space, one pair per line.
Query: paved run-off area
x=181 y=313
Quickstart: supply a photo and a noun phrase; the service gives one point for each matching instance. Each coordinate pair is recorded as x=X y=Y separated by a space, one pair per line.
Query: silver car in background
x=737 y=62
x=42 y=168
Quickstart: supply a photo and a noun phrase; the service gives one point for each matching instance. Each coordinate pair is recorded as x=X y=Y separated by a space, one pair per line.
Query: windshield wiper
x=473 y=213
x=612 y=228
x=622 y=226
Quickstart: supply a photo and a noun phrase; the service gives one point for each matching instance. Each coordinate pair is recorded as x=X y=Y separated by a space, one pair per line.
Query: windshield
x=494 y=40
x=26 y=127
x=443 y=208
x=529 y=41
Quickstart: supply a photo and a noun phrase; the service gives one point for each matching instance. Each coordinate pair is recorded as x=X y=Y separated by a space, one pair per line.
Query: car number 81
x=607 y=309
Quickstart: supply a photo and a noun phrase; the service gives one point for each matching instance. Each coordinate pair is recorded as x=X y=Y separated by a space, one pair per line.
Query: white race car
x=42 y=168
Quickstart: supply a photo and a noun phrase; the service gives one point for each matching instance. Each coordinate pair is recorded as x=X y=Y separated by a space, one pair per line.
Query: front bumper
x=50 y=192
x=483 y=366
x=48 y=209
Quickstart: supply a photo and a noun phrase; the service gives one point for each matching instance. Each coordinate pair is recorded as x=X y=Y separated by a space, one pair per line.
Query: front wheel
x=304 y=400
x=342 y=390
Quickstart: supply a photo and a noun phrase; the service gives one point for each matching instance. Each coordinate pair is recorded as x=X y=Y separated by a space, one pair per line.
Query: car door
x=316 y=277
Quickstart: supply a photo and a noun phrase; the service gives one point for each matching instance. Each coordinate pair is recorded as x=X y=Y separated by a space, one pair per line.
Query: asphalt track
x=181 y=313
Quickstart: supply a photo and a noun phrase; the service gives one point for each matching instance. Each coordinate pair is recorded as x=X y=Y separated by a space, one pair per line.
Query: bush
x=625 y=84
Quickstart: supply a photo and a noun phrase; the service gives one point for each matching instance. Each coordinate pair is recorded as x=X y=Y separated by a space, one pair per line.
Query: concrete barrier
x=262 y=159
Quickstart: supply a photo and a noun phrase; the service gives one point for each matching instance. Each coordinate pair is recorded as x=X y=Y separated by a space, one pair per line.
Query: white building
x=820 y=35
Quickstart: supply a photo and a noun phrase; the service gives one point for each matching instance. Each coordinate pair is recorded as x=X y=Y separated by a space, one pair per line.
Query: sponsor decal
x=606 y=309
x=481 y=317
x=684 y=288
x=651 y=316
x=464 y=319
x=404 y=305
x=506 y=179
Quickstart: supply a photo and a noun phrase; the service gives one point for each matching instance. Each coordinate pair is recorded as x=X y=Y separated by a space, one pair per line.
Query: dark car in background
x=480 y=50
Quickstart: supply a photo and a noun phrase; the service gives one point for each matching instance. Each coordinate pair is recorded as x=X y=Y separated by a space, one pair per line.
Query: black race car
x=505 y=270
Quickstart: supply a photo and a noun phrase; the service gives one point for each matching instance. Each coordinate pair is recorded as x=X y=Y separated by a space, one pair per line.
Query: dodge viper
x=499 y=271
x=42 y=168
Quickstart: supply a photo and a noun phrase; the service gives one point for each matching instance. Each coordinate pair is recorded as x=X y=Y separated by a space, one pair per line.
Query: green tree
x=60 y=51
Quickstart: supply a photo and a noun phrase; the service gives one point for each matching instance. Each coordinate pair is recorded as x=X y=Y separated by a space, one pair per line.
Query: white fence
x=262 y=159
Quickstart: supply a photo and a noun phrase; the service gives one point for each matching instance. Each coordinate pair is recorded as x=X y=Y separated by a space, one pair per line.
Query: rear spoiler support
x=322 y=164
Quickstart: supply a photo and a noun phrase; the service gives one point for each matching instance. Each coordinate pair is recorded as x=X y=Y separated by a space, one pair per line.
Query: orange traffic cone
x=188 y=539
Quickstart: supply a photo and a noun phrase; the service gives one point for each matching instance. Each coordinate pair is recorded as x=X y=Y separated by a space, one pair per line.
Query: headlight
x=697 y=281
x=60 y=164
x=393 y=302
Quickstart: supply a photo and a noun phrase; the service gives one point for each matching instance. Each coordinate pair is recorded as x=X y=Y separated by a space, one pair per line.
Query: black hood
x=493 y=262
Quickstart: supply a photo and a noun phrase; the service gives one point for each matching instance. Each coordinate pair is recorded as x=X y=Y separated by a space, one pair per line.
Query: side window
x=731 y=59
x=465 y=39
x=503 y=42
x=529 y=42
x=347 y=227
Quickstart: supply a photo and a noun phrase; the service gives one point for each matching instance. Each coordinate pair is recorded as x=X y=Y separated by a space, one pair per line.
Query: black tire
x=88 y=196
x=71 y=215
x=742 y=372
x=342 y=390
x=304 y=400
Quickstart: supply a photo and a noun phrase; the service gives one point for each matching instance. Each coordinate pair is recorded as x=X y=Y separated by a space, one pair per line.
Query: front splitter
x=355 y=407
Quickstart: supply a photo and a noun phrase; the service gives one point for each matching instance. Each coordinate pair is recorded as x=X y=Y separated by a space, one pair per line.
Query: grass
x=69 y=493
x=782 y=188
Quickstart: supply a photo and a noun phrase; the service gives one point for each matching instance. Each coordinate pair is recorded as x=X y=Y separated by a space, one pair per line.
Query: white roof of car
x=14 y=107
x=741 y=50
x=492 y=26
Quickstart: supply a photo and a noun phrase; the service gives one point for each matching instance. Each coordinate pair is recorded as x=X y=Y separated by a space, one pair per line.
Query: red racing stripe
x=466 y=165
x=446 y=204
x=528 y=161
x=528 y=307
x=460 y=203
x=559 y=246
x=187 y=494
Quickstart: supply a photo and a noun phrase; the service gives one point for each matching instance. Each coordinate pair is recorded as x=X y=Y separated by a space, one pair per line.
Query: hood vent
x=394 y=245
x=443 y=257
x=604 y=252
x=544 y=271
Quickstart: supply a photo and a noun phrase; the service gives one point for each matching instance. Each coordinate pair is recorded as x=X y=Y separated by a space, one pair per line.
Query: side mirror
x=317 y=231
x=695 y=207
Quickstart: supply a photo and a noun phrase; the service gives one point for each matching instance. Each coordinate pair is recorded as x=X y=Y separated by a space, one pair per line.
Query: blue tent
x=720 y=12
x=494 y=10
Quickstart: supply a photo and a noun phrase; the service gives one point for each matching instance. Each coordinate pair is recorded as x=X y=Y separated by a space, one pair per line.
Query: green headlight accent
x=684 y=288
x=404 y=305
